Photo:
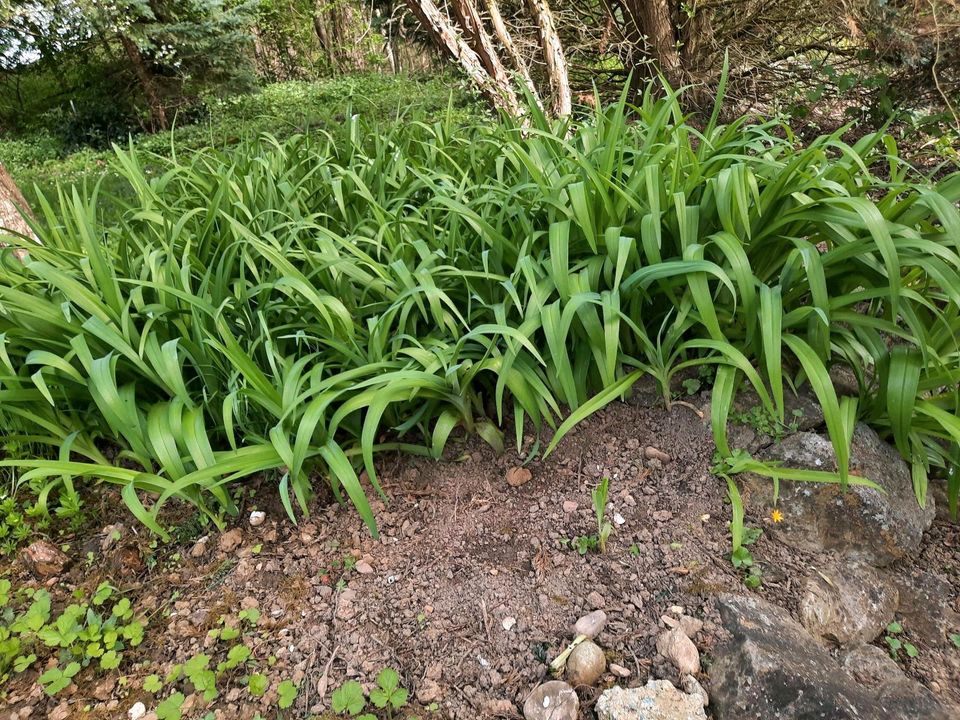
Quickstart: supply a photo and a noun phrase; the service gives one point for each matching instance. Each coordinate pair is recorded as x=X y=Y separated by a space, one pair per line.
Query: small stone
x=509 y=623
x=569 y=506
x=111 y=533
x=662 y=515
x=691 y=686
x=429 y=692
x=257 y=517
x=591 y=625
x=137 y=711
x=691 y=626
x=652 y=453
x=363 y=567
x=44 y=559
x=104 y=688
x=199 y=548
x=619 y=670
x=230 y=540
x=657 y=700
x=499 y=709
x=517 y=476
x=554 y=700
x=585 y=664
x=676 y=647
x=595 y=600
x=60 y=712
x=619 y=519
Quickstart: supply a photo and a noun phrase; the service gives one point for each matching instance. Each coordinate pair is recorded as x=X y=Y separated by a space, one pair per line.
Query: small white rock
x=509 y=623
x=257 y=517
x=137 y=711
x=619 y=519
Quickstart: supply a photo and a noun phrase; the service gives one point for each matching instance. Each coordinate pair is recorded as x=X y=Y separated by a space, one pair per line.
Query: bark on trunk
x=554 y=58
x=653 y=20
x=13 y=207
x=453 y=44
x=478 y=39
x=323 y=35
x=516 y=59
x=157 y=114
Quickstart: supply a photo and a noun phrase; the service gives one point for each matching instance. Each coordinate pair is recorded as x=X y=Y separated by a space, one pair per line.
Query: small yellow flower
x=776 y=516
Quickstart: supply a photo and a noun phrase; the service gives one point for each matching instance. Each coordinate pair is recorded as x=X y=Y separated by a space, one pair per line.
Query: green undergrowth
x=296 y=307
x=39 y=161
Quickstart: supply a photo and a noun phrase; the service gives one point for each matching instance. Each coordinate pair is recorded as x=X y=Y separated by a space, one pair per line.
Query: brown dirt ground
x=460 y=552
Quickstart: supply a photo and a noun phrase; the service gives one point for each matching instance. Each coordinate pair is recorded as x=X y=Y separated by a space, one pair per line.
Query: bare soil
x=461 y=551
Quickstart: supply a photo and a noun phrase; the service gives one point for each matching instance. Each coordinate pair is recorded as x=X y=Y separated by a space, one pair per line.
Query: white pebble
x=508 y=623
x=257 y=517
x=137 y=711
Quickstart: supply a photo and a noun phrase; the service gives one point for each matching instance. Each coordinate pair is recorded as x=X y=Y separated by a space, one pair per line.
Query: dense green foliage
x=295 y=307
x=282 y=109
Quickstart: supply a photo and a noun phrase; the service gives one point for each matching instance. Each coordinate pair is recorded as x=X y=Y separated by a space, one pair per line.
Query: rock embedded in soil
x=230 y=541
x=690 y=626
x=619 y=670
x=848 y=603
x=692 y=686
x=771 y=668
x=199 y=548
x=676 y=647
x=554 y=700
x=586 y=664
x=517 y=476
x=877 y=671
x=591 y=624
x=137 y=711
x=657 y=700
x=924 y=607
x=652 y=453
x=257 y=517
x=429 y=692
x=860 y=523
x=44 y=559
x=595 y=600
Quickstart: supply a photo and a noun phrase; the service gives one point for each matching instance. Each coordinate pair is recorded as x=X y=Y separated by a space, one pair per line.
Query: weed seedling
x=896 y=643
x=350 y=700
x=604 y=528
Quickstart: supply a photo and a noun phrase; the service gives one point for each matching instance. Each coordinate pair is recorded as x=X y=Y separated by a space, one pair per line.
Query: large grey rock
x=925 y=609
x=874 y=669
x=554 y=700
x=658 y=700
x=772 y=669
x=848 y=603
x=860 y=523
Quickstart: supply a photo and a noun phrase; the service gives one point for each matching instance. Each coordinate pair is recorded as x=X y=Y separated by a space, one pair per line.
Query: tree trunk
x=555 y=60
x=450 y=41
x=652 y=20
x=13 y=208
x=323 y=35
x=503 y=35
x=479 y=41
x=157 y=114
